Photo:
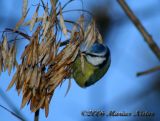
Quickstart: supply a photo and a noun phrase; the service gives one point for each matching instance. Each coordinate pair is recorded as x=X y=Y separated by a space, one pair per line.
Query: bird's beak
x=83 y=53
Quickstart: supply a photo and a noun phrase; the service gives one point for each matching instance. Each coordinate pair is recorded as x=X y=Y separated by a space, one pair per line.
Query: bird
x=97 y=60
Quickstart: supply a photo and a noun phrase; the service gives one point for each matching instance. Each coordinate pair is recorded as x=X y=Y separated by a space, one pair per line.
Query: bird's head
x=97 y=54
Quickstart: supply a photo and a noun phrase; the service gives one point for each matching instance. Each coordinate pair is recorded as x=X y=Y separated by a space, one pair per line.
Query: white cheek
x=95 y=60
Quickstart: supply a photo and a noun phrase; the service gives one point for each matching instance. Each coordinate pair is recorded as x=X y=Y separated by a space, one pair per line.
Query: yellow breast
x=89 y=75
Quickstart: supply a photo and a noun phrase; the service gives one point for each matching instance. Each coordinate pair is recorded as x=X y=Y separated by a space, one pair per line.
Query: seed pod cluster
x=7 y=56
x=45 y=65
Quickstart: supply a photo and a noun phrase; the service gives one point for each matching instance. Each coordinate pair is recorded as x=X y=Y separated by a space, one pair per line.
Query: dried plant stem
x=14 y=111
x=28 y=37
x=36 y=116
x=18 y=32
x=14 y=114
x=157 y=68
x=147 y=37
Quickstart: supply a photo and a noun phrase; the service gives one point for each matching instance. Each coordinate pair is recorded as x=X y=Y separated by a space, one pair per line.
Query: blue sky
x=119 y=89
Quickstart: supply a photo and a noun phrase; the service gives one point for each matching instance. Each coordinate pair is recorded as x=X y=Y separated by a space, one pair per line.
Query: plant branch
x=147 y=37
x=157 y=68
x=36 y=115
x=15 y=112
x=18 y=32
x=29 y=38
x=12 y=113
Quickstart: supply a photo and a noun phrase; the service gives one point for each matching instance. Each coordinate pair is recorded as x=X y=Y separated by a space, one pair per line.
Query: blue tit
x=97 y=60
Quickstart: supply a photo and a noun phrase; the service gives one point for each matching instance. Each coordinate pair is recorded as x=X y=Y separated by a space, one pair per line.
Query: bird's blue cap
x=97 y=48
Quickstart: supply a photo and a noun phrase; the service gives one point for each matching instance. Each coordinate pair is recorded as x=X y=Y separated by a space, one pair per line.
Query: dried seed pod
x=45 y=65
x=5 y=51
x=34 y=18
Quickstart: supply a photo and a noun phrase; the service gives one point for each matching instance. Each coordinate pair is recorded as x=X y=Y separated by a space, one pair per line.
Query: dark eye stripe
x=107 y=56
x=94 y=55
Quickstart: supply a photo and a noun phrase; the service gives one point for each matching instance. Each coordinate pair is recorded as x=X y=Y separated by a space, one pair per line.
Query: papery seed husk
x=46 y=107
x=20 y=22
x=69 y=86
x=14 y=79
x=26 y=98
x=29 y=74
x=33 y=77
x=5 y=44
x=38 y=80
x=25 y=5
x=41 y=103
x=45 y=15
x=33 y=104
x=62 y=24
x=11 y=59
x=34 y=18
x=46 y=29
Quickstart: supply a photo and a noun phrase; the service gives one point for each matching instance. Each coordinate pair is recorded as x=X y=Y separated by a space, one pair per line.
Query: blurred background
x=120 y=89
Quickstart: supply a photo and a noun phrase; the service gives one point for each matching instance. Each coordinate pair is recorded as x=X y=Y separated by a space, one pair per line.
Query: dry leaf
x=45 y=65
x=33 y=77
x=14 y=79
x=69 y=86
x=20 y=22
x=41 y=103
x=34 y=18
x=45 y=15
x=26 y=98
x=46 y=29
x=53 y=4
x=99 y=38
x=5 y=44
x=34 y=104
x=5 y=52
x=25 y=5
x=26 y=51
x=38 y=19
x=46 y=107
x=53 y=9
x=75 y=27
x=11 y=58
x=38 y=80
x=29 y=74
x=62 y=24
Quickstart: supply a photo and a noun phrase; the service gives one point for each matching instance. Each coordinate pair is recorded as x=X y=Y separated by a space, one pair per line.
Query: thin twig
x=17 y=116
x=43 y=4
x=147 y=37
x=11 y=105
x=36 y=115
x=18 y=32
x=81 y=10
x=157 y=68
x=28 y=37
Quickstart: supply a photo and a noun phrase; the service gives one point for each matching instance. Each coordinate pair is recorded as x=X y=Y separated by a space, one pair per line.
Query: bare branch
x=36 y=116
x=157 y=68
x=14 y=109
x=147 y=37
x=18 y=32
x=17 y=116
